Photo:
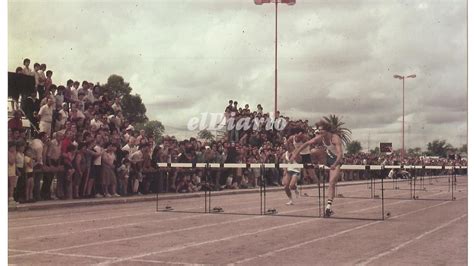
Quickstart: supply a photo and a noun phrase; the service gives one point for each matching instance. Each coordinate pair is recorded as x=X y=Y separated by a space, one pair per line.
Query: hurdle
x=264 y=198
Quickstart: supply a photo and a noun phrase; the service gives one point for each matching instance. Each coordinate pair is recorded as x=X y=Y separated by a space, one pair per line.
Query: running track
x=431 y=230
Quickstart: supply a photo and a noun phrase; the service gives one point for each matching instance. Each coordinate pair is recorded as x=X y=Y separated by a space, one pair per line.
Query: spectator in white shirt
x=26 y=68
x=59 y=97
x=37 y=145
x=96 y=122
x=116 y=106
x=46 y=116
x=74 y=91
x=131 y=146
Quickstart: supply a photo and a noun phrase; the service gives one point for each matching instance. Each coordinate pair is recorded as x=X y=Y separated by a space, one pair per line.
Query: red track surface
x=430 y=230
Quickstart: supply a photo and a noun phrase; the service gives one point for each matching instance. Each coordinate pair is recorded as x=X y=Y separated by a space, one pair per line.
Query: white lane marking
x=62 y=254
x=97 y=209
x=102 y=257
x=378 y=256
x=83 y=220
x=167 y=262
x=271 y=253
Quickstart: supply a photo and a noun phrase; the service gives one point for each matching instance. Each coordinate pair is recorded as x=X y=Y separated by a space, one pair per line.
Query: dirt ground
x=429 y=230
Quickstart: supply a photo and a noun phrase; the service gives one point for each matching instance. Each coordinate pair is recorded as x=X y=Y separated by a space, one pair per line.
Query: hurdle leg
x=324 y=188
x=319 y=190
x=261 y=190
x=367 y=182
x=157 y=195
x=449 y=182
x=207 y=208
x=264 y=196
x=372 y=186
x=383 y=203
x=452 y=184
x=414 y=183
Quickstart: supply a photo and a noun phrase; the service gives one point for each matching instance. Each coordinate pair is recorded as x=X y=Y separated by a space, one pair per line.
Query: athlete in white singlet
x=298 y=140
x=290 y=178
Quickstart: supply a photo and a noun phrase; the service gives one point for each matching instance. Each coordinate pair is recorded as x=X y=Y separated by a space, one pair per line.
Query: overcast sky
x=185 y=57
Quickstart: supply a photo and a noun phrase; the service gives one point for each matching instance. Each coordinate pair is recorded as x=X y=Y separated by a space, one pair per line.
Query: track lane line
x=406 y=243
x=271 y=253
x=166 y=232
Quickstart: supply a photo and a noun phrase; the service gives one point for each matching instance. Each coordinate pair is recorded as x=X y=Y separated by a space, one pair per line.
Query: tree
x=133 y=108
x=116 y=86
x=206 y=134
x=354 y=147
x=336 y=128
x=438 y=148
x=414 y=151
x=463 y=149
x=152 y=127
x=375 y=151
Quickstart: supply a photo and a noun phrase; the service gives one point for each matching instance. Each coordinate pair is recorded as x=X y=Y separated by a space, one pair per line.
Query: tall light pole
x=403 y=110
x=288 y=2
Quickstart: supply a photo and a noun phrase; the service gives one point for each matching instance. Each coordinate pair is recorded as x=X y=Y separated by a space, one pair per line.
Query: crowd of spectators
x=84 y=147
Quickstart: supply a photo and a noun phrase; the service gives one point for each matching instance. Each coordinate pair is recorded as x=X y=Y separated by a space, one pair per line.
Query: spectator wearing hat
x=129 y=132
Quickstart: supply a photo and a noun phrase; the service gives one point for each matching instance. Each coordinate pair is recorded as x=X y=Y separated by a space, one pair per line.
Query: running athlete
x=333 y=147
x=297 y=140
x=291 y=176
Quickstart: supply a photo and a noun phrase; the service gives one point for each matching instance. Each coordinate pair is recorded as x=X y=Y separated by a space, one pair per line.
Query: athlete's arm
x=306 y=144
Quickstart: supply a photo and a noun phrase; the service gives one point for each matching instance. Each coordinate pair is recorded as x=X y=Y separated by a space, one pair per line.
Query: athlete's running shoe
x=328 y=213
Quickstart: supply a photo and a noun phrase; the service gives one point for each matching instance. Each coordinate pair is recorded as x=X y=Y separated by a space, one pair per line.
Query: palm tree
x=336 y=128
x=206 y=134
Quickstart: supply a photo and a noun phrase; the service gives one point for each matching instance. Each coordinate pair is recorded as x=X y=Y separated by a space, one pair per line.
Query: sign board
x=386 y=147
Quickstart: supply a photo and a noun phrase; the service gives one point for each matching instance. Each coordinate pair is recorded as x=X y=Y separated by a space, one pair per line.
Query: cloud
x=335 y=57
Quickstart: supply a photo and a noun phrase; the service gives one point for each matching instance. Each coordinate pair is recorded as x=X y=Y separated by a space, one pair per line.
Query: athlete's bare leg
x=286 y=184
x=333 y=178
